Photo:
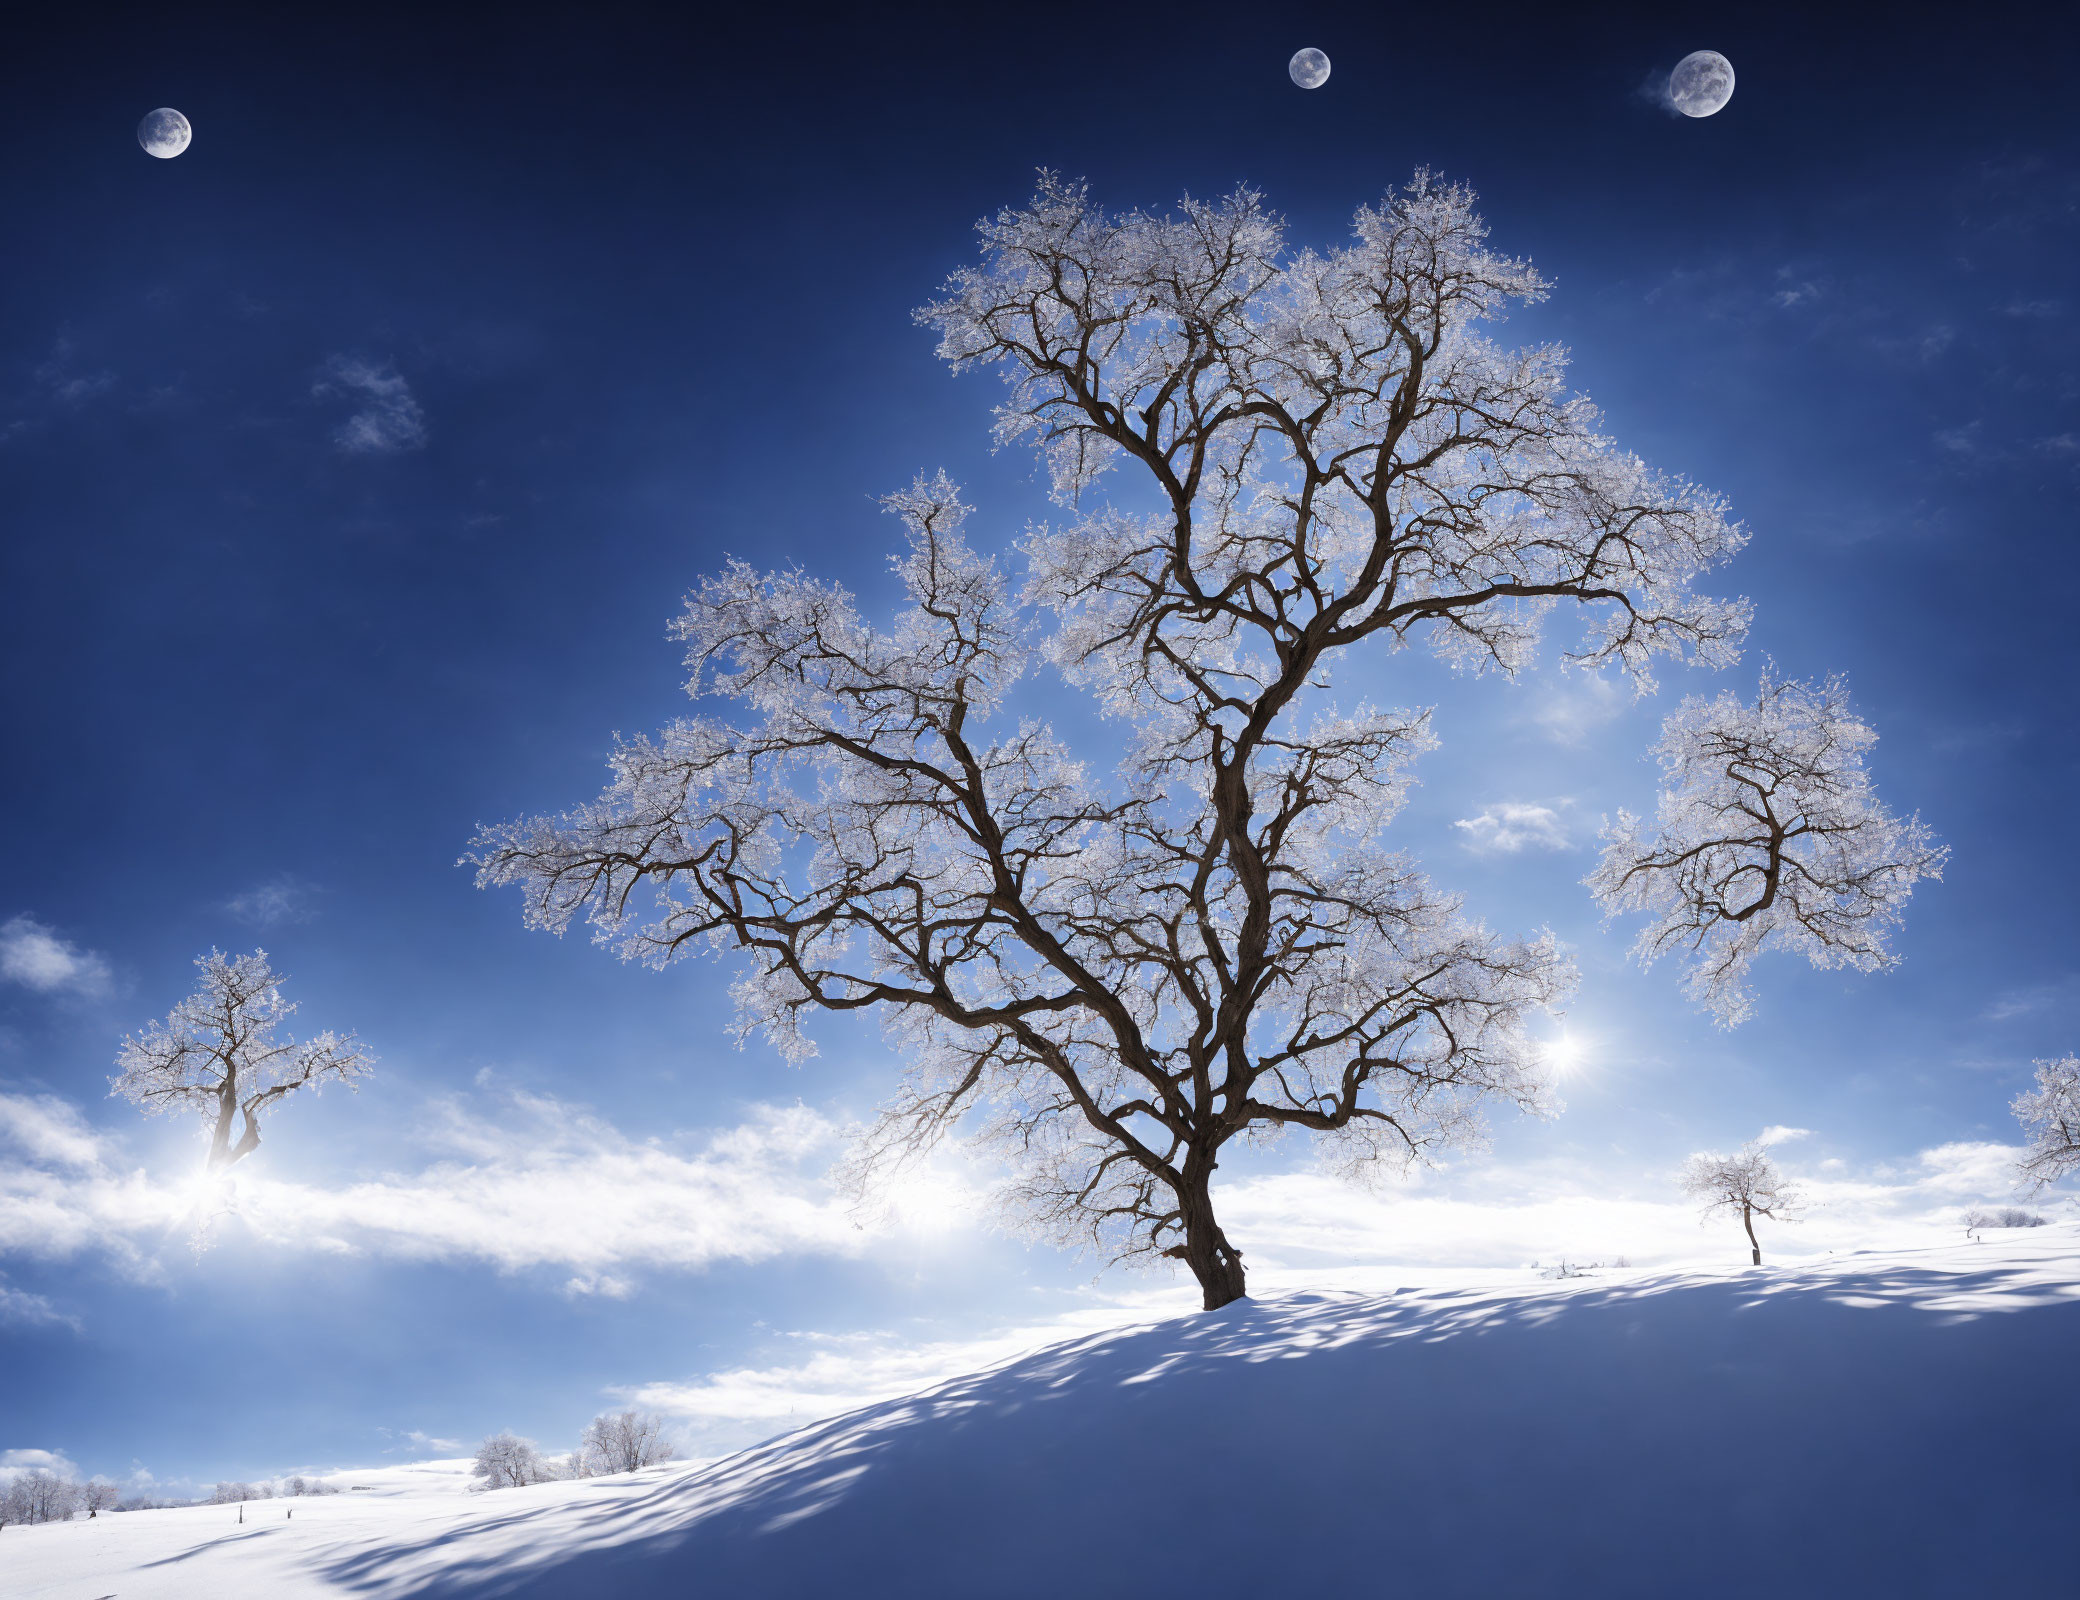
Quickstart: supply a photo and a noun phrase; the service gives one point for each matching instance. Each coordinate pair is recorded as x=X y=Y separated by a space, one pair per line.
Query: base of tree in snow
x=1896 y=1424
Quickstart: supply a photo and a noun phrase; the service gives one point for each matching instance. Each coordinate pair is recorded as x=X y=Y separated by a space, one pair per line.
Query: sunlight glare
x=1566 y=1055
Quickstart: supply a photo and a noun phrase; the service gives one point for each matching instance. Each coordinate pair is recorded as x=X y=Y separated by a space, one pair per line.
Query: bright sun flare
x=1566 y=1054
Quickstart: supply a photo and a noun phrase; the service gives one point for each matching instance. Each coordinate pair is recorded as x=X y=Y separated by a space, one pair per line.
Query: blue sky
x=352 y=463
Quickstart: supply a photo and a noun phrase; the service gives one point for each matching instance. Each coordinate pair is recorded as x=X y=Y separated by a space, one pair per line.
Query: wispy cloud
x=1652 y=90
x=2060 y=995
x=279 y=900
x=541 y=1185
x=412 y=1439
x=820 y=1374
x=1798 y=290
x=1568 y=711
x=35 y=957
x=21 y=1309
x=1511 y=827
x=1965 y=442
x=64 y=380
x=1777 y=1133
x=389 y=418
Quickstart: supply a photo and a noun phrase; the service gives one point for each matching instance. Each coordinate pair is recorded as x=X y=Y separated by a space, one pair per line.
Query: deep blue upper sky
x=646 y=279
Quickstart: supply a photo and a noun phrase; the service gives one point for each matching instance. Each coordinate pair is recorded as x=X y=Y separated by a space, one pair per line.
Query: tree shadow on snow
x=1834 y=1430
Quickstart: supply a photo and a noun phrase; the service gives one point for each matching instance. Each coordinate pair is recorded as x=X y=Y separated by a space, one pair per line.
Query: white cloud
x=837 y=1372
x=13 y=1463
x=35 y=957
x=423 y=1443
x=2059 y=995
x=1777 y=1133
x=1511 y=827
x=1963 y=442
x=543 y=1185
x=66 y=383
x=1569 y=710
x=21 y=1309
x=389 y=420
x=1653 y=91
x=279 y=900
x=603 y=1284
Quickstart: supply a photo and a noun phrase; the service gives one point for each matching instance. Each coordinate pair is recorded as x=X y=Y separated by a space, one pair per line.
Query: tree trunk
x=1214 y=1262
x=220 y=1136
x=1748 y=1222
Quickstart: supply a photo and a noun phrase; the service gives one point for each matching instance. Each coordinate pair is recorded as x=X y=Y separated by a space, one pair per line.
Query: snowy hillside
x=1892 y=1424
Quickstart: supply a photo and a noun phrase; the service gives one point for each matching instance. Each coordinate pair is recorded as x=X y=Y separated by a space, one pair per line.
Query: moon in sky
x=165 y=133
x=1701 y=84
x=1309 y=67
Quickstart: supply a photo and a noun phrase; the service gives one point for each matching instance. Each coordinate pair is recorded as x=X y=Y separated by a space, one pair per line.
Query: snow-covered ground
x=1889 y=1424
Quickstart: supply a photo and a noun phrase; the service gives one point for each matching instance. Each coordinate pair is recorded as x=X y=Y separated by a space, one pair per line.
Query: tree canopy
x=1121 y=969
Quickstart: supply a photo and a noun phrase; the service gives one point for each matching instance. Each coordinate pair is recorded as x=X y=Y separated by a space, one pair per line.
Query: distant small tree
x=507 y=1461
x=99 y=1495
x=1977 y=1221
x=228 y=1493
x=2050 y=1115
x=1746 y=1182
x=622 y=1441
x=217 y=1054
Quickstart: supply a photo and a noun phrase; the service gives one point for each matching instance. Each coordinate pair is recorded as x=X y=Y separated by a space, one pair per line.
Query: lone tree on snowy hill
x=1746 y=1182
x=507 y=1461
x=2050 y=1115
x=217 y=1054
x=622 y=1441
x=1122 y=972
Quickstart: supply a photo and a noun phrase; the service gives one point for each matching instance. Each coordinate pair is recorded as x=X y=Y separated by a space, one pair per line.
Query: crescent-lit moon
x=1701 y=84
x=165 y=133
x=1309 y=68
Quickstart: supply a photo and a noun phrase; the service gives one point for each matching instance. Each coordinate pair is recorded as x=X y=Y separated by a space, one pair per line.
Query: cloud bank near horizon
x=530 y=1183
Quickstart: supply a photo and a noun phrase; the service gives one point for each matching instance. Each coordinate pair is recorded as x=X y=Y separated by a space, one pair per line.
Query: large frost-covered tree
x=1122 y=969
x=217 y=1054
x=2050 y=1115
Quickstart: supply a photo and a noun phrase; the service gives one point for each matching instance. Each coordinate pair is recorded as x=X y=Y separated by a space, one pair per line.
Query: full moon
x=165 y=133
x=1309 y=67
x=1701 y=84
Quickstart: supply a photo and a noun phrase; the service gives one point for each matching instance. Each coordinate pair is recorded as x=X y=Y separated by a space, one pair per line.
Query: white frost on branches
x=622 y=1441
x=2050 y=1115
x=507 y=1461
x=217 y=1054
x=1746 y=1184
x=1119 y=972
x=1768 y=834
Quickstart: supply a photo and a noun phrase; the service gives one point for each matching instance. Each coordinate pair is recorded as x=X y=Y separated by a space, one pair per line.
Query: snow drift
x=1893 y=1424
